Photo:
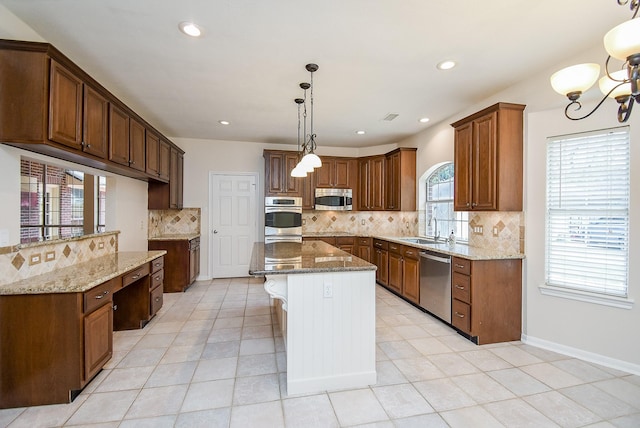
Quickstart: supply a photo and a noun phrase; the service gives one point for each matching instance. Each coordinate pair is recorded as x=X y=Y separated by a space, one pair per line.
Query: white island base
x=328 y=325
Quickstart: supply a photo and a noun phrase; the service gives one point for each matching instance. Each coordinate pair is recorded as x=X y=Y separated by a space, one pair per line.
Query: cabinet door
x=364 y=252
x=363 y=184
x=137 y=150
x=292 y=184
x=393 y=182
x=153 y=154
x=381 y=260
x=325 y=174
x=95 y=125
x=118 y=135
x=156 y=300
x=484 y=157
x=377 y=179
x=462 y=168
x=411 y=280
x=342 y=173
x=346 y=247
x=274 y=165
x=180 y=181
x=164 y=160
x=308 y=192
x=98 y=339
x=65 y=107
x=395 y=272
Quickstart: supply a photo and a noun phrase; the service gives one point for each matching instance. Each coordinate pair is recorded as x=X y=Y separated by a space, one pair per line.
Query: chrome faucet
x=436 y=234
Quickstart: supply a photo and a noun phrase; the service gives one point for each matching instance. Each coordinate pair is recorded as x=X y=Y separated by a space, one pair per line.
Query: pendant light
x=308 y=159
x=299 y=170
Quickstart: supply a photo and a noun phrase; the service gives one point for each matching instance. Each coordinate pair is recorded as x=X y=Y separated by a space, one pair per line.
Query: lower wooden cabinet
x=346 y=243
x=395 y=268
x=411 y=274
x=98 y=339
x=381 y=260
x=182 y=262
x=363 y=248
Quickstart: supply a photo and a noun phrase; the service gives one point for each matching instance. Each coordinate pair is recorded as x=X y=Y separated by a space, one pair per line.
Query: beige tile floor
x=211 y=358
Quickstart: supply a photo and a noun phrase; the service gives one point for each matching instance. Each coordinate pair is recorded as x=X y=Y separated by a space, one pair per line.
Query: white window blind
x=587 y=225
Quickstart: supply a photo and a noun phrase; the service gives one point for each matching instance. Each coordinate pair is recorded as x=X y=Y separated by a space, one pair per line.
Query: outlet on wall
x=328 y=290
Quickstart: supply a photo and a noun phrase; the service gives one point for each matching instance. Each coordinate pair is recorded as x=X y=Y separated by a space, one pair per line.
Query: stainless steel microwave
x=334 y=199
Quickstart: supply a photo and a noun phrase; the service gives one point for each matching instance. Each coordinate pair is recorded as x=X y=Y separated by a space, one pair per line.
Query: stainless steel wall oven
x=282 y=219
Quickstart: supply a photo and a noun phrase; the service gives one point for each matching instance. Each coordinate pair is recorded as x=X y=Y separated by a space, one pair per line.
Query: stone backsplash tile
x=508 y=227
x=25 y=261
x=363 y=223
x=172 y=222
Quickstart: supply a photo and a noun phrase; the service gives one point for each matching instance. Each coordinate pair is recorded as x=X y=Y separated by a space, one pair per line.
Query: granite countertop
x=82 y=276
x=175 y=237
x=325 y=234
x=458 y=250
x=305 y=257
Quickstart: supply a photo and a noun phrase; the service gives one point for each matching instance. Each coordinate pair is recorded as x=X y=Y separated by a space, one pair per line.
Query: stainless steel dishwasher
x=435 y=284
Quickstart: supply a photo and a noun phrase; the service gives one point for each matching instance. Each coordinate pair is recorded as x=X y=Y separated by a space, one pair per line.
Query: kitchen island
x=325 y=302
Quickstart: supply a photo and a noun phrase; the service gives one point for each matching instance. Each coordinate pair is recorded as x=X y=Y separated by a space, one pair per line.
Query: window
x=52 y=204
x=439 y=206
x=587 y=224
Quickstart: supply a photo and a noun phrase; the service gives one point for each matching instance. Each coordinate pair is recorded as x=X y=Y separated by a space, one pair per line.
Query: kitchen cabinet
x=278 y=179
x=400 y=184
x=488 y=156
x=51 y=106
x=182 y=262
x=346 y=243
x=152 y=143
x=164 y=160
x=411 y=274
x=64 y=339
x=308 y=191
x=395 y=268
x=381 y=260
x=363 y=248
x=163 y=196
x=336 y=172
x=487 y=299
x=371 y=185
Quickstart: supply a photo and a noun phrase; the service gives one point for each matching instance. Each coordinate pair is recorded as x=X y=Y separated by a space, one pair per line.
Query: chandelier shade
x=614 y=86
x=623 y=40
x=577 y=78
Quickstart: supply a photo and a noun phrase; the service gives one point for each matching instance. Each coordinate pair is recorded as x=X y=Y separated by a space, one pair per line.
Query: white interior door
x=233 y=222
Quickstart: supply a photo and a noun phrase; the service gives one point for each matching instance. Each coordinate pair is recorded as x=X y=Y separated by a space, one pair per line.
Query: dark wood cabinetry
x=363 y=248
x=336 y=172
x=346 y=243
x=65 y=107
x=182 y=262
x=95 y=119
x=169 y=195
x=137 y=152
x=487 y=299
x=98 y=339
x=118 y=135
x=395 y=267
x=371 y=184
x=278 y=179
x=381 y=260
x=411 y=274
x=400 y=182
x=488 y=159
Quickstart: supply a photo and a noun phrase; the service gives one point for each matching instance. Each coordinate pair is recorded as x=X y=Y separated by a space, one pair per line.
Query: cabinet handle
x=99 y=296
x=474 y=204
x=88 y=146
x=115 y=307
x=459 y=315
x=157 y=264
x=459 y=266
x=157 y=299
x=467 y=204
x=410 y=253
x=136 y=276
x=459 y=287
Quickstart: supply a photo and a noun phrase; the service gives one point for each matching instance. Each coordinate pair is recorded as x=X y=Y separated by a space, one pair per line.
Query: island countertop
x=306 y=257
x=82 y=276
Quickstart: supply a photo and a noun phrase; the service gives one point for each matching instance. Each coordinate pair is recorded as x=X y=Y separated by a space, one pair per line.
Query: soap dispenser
x=452 y=239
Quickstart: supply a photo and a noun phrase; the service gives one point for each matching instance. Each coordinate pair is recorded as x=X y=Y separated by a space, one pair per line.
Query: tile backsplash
x=174 y=222
x=24 y=261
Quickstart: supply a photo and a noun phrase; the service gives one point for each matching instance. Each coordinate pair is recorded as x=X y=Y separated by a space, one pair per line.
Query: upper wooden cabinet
x=278 y=179
x=163 y=196
x=164 y=162
x=371 y=184
x=488 y=159
x=153 y=154
x=49 y=105
x=401 y=180
x=336 y=172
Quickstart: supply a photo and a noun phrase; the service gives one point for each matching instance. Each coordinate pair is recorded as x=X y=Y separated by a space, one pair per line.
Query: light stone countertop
x=82 y=276
x=306 y=257
x=175 y=237
x=458 y=250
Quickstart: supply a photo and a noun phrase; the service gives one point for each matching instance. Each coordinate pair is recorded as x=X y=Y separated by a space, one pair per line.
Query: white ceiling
x=376 y=57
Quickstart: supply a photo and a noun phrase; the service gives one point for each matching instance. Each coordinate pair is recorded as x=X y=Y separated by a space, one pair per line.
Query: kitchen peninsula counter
x=325 y=301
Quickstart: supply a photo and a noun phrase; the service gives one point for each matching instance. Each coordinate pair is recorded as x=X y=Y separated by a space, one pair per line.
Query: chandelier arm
x=624 y=111
x=579 y=106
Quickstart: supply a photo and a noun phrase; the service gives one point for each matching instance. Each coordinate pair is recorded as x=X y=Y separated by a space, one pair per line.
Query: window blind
x=587 y=224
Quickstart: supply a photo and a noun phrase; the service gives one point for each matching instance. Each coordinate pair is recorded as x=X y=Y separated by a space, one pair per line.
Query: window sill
x=583 y=296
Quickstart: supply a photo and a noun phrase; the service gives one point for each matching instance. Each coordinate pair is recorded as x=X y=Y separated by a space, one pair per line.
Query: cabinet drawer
x=461 y=315
x=134 y=275
x=156 y=300
x=396 y=248
x=461 y=287
x=97 y=296
x=383 y=245
x=461 y=265
x=410 y=253
x=364 y=242
x=157 y=279
x=157 y=264
x=345 y=240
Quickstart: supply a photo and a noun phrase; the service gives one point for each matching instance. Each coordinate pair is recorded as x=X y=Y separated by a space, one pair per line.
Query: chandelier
x=308 y=160
x=621 y=43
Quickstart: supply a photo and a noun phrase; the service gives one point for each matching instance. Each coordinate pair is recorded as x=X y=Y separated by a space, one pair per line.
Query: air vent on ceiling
x=390 y=117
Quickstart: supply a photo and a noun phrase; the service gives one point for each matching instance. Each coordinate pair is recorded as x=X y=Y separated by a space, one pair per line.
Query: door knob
x=215 y=231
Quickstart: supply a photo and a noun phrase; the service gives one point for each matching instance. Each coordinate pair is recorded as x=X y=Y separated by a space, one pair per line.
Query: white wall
x=9 y=195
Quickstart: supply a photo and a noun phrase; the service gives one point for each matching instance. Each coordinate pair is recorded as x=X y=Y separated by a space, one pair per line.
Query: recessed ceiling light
x=224 y=122
x=424 y=120
x=190 y=29
x=360 y=132
x=446 y=65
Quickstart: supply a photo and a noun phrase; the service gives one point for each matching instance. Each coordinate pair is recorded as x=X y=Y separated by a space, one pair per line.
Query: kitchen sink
x=422 y=241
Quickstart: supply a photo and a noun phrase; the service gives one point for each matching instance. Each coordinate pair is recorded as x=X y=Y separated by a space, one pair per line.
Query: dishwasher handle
x=445 y=259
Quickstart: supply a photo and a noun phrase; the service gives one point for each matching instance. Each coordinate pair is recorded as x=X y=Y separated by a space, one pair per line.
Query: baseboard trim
x=582 y=354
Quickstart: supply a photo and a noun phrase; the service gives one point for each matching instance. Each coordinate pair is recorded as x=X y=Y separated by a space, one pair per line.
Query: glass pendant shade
x=306 y=167
x=299 y=171
x=623 y=40
x=577 y=78
x=312 y=160
x=606 y=84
